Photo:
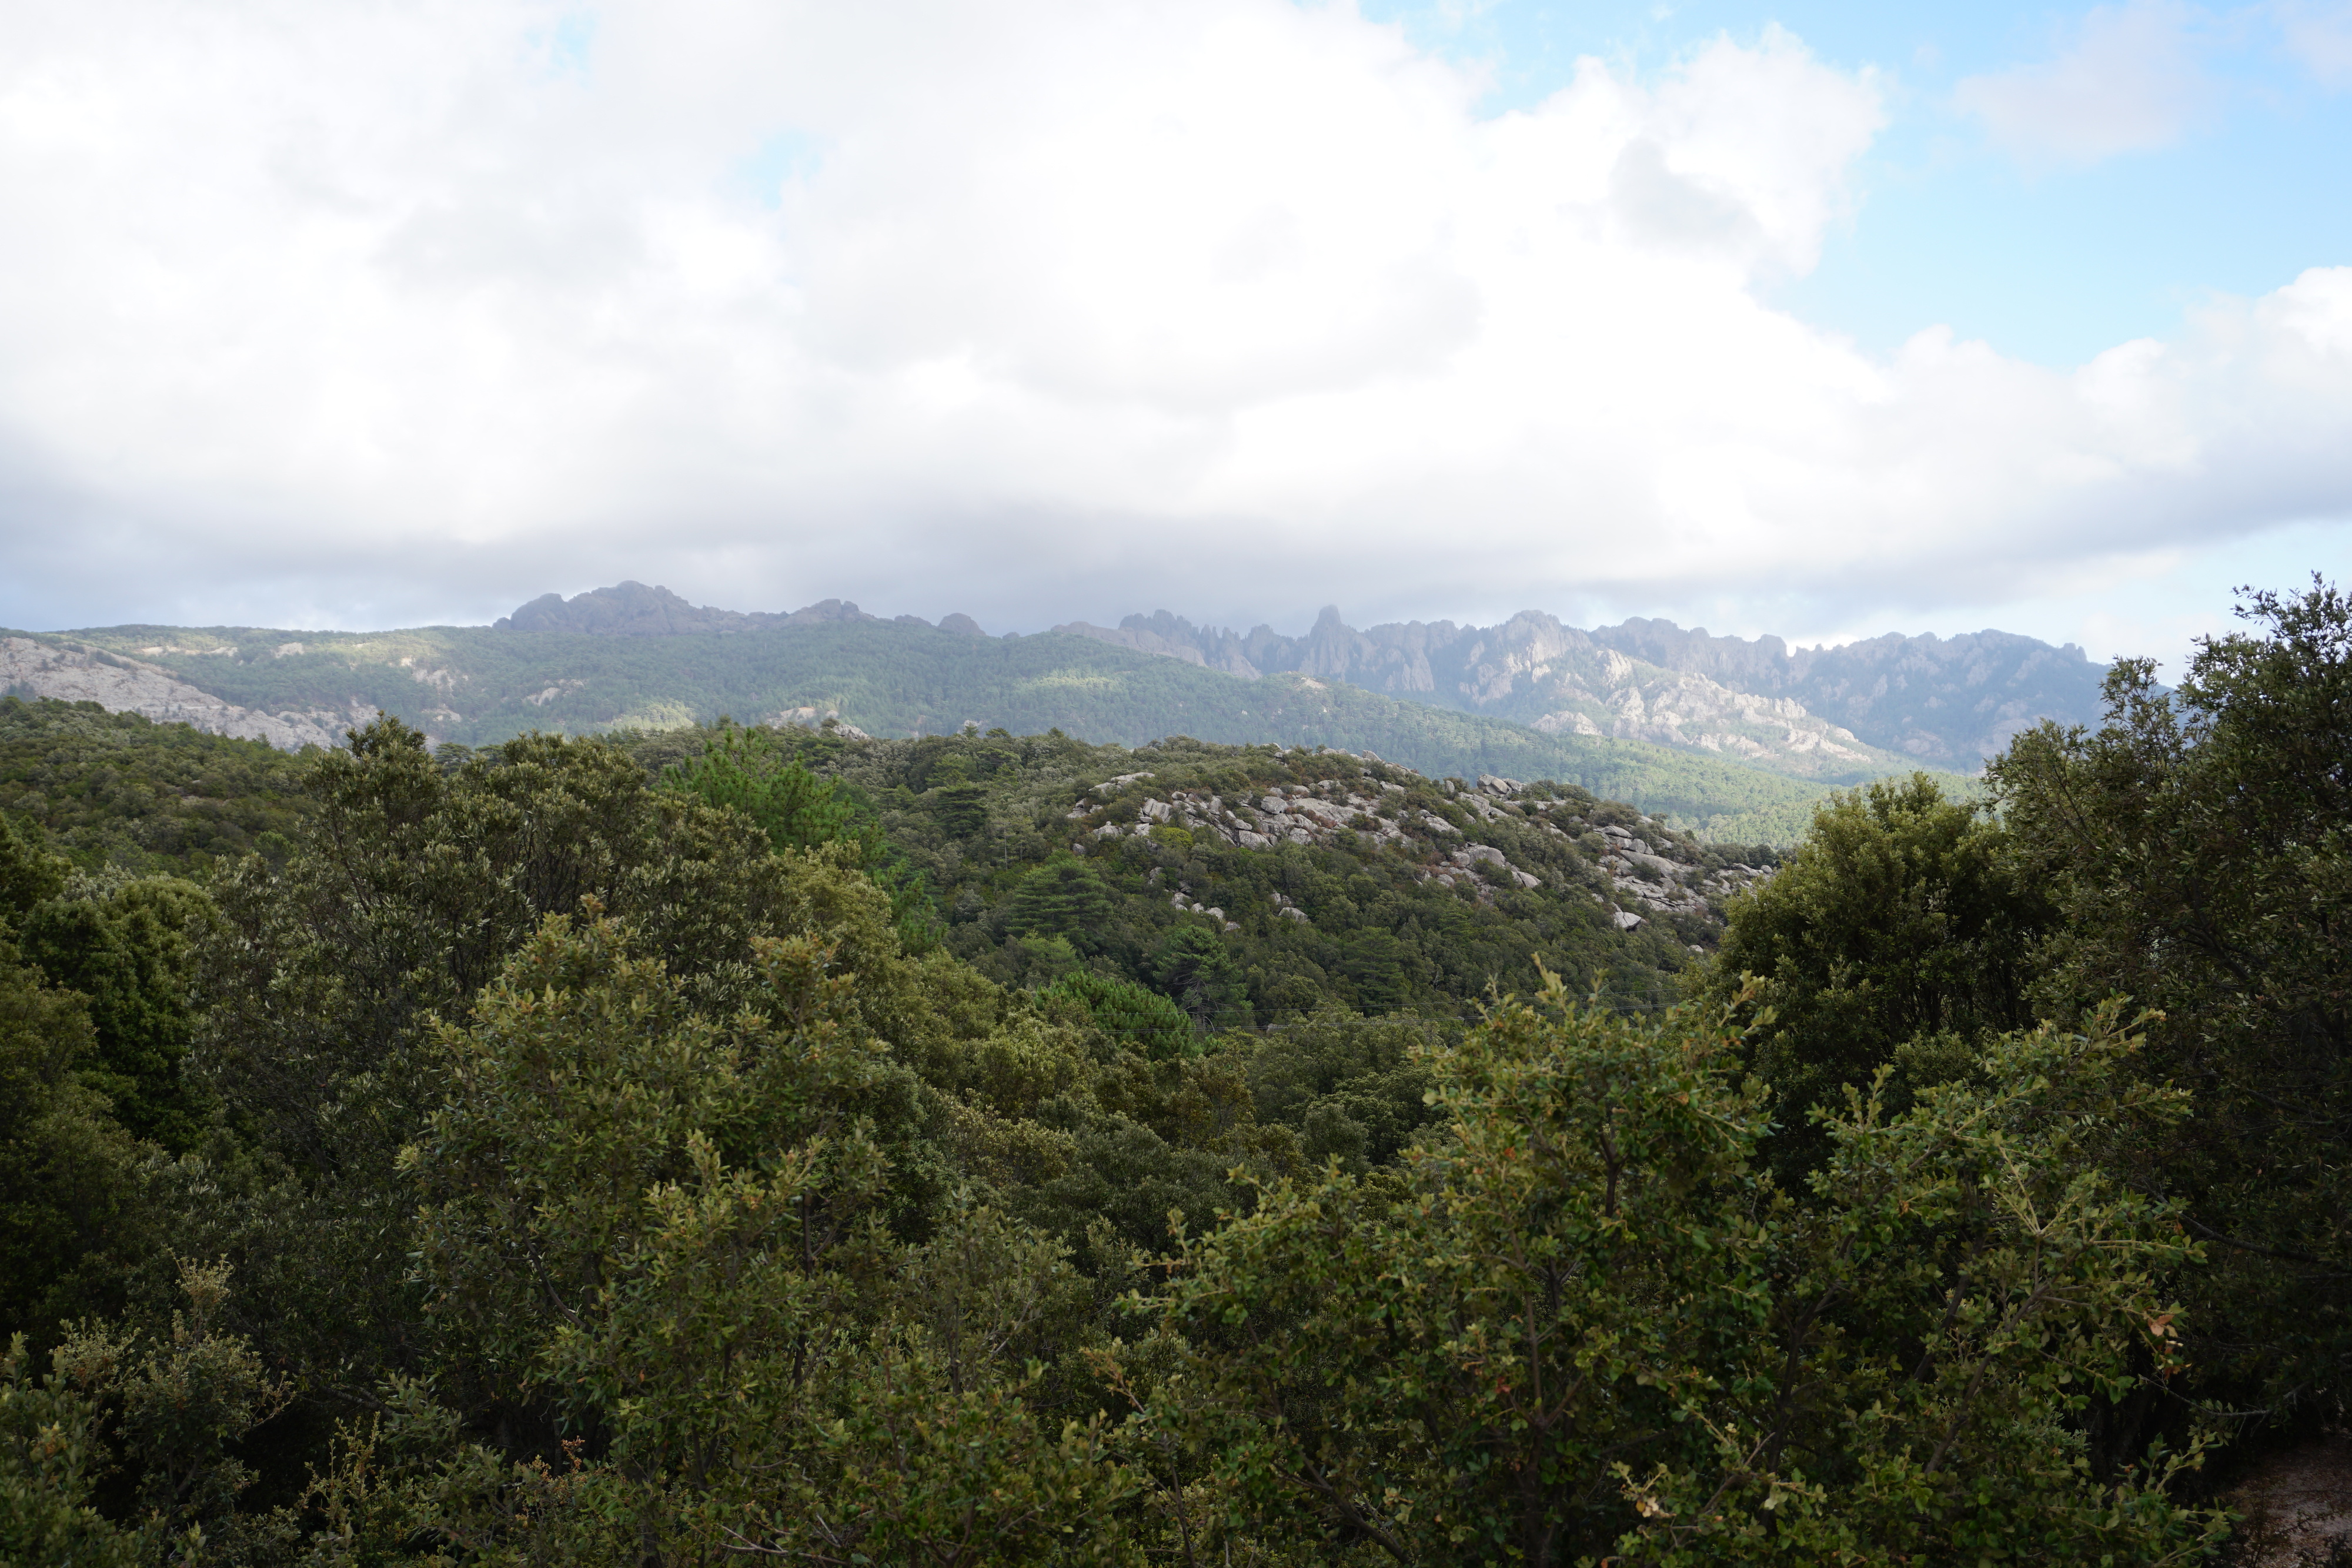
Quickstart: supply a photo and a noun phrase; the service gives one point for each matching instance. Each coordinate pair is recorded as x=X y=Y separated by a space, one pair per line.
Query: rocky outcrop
x=118 y=685
x=1845 y=712
x=1640 y=879
x=1697 y=714
x=1141 y=639
x=1839 y=714
x=1666 y=886
x=633 y=609
x=1134 y=633
x=1950 y=702
x=1554 y=678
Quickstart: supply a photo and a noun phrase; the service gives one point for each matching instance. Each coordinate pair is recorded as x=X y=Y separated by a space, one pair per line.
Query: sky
x=1809 y=318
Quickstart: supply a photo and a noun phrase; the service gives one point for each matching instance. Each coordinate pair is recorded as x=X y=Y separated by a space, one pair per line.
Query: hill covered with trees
x=476 y=685
x=677 y=1146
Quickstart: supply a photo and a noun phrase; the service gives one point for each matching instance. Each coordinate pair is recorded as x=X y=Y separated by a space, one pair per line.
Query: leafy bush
x=1130 y=1014
x=1581 y=1323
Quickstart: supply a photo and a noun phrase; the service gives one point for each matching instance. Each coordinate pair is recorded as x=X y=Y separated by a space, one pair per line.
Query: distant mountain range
x=1861 y=709
x=1735 y=738
x=1949 y=702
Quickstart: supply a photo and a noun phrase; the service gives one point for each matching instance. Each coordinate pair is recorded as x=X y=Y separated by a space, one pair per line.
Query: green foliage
x=132 y=955
x=909 y=680
x=1064 y=898
x=173 y=1408
x=1354 y=1088
x=962 y=809
x=1902 y=931
x=608 y=1180
x=114 y=790
x=29 y=877
x=2197 y=849
x=1129 y=1014
x=328 y=973
x=743 y=770
x=1191 y=969
x=69 y=1206
x=1580 y=1324
x=684 y=1235
x=1382 y=934
x=52 y=1455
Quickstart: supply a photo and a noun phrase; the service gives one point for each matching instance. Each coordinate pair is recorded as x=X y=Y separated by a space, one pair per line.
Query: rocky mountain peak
x=633 y=610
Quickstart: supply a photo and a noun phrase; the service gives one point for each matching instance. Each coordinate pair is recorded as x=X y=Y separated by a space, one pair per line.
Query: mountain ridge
x=1642 y=712
x=1883 y=692
x=473 y=686
x=1950 y=702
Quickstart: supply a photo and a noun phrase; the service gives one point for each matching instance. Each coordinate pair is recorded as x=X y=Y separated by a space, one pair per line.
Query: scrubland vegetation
x=752 y=1145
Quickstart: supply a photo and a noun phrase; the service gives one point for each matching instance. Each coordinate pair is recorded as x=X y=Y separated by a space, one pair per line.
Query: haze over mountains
x=1943 y=702
x=1711 y=729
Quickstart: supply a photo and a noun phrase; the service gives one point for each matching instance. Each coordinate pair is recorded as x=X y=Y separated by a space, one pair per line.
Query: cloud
x=2130 y=82
x=1049 y=308
x=2319 y=36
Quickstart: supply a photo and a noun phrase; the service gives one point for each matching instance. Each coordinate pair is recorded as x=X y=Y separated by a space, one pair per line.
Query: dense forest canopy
x=742 y=1144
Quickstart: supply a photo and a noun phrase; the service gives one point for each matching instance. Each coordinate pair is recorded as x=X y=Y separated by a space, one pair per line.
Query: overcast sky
x=1823 y=319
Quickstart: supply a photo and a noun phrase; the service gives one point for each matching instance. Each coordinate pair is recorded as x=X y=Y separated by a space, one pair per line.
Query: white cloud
x=2129 y=83
x=2319 y=36
x=1063 y=307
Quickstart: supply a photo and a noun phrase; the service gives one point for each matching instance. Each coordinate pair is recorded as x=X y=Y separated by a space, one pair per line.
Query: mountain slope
x=1946 y=701
x=479 y=684
x=1839 y=714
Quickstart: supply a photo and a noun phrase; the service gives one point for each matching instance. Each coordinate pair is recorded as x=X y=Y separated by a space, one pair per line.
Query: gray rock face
x=1839 y=714
x=1140 y=640
x=1334 y=813
x=633 y=609
x=129 y=685
x=1811 y=711
x=1949 y=701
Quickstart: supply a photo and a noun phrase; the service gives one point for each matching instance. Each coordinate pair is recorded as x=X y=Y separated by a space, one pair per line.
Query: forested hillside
x=695 y=1145
x=112 y=790
x=1323 y=876
x=479 y=685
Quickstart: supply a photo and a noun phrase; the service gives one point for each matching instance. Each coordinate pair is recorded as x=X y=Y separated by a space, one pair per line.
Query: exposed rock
x=822 y=612
x=962 y=625
x=1334 y=813
x=633 y=610
x=129 y=685
x=1949 y=701
x=1855 y=709
x=2298 y=1507
x=624 y=609
x=1131 y=637
x=1110 y=786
